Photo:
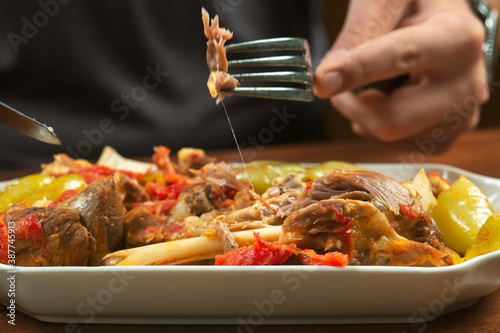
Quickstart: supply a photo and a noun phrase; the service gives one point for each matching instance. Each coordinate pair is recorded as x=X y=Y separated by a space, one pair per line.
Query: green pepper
x=316 y=172
x=23 y=188
x=262 y=173
x=55 y=189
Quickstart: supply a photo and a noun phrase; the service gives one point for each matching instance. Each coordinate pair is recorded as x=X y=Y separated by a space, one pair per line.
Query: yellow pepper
x=461 y=211
x=487 y=240
x=55 y=189
x=20 y=190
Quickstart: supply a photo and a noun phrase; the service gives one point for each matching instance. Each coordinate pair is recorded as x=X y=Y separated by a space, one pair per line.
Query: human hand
x=437 y=42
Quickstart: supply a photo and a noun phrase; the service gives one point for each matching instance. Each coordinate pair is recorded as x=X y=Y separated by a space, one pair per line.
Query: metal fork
x=301 y=75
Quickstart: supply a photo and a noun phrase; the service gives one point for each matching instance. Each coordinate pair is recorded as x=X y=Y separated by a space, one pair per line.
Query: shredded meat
x=219 y=79
x=222 y=231
x=384 y=190
x=219 y=174
x=361 y=231
x=371 y=217
x=63 y=164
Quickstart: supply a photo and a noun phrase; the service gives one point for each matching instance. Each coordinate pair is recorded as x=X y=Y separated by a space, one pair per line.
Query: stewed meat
x=50 y=237
x=371 y=217
x=102 y=212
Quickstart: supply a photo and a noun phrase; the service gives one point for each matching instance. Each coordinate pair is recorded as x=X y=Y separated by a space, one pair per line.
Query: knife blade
x=26 y=125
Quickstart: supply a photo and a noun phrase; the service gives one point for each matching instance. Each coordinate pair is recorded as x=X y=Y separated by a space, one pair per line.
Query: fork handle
x=386 y=86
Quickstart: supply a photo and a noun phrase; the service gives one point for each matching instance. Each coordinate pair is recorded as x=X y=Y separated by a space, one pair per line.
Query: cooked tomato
x=30 y=230
x=97 y=171
x=65 y=196
x=272 y=253
x=159 y=192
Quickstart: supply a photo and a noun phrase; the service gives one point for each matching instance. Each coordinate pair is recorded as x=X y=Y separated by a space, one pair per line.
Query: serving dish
x=253 y=296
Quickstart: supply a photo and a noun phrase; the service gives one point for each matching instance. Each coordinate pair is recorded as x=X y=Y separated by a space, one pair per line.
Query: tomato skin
x=159 y=192
x=98 y=171
x=30 y=230
x=161 y=159
x=261 y=253
x=413 y=212
x=309 y=257
x=273 y=253
x=65 y=196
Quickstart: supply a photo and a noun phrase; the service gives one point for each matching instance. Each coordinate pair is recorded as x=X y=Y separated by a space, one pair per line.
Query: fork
x=302 y=74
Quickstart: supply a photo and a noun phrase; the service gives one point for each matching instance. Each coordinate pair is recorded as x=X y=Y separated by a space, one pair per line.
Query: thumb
x=365 y=20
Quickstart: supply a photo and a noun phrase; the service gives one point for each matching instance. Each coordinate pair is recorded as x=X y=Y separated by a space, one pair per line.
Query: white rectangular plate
x=252 y=296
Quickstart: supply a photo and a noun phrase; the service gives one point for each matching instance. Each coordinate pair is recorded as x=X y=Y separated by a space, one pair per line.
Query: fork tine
x=301 y=61
x=271 y=44
x=283 y=76
x=290 y=61
x=292 y=94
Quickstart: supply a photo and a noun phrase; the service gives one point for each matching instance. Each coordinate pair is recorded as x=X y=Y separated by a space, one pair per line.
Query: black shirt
x=132 y=75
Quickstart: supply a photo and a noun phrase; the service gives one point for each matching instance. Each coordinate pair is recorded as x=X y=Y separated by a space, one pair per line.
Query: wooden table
x=477 y=152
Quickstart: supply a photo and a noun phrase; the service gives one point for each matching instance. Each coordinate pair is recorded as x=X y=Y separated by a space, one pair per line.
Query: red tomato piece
x=272 y=253
x=159 y=192
x=161 y=159
x=30 y=230
x=65 y=196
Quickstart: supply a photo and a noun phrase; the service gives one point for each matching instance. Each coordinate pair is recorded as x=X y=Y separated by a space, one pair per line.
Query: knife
x=26 y=125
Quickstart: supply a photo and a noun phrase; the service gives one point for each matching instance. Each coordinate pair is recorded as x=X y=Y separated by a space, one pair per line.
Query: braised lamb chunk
x=142 y=228
x=61 y=241
x=130 y=189
x=361 y=231
x=102 y=212
x=371 y=217
x=385 y=191
x=403 y=210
